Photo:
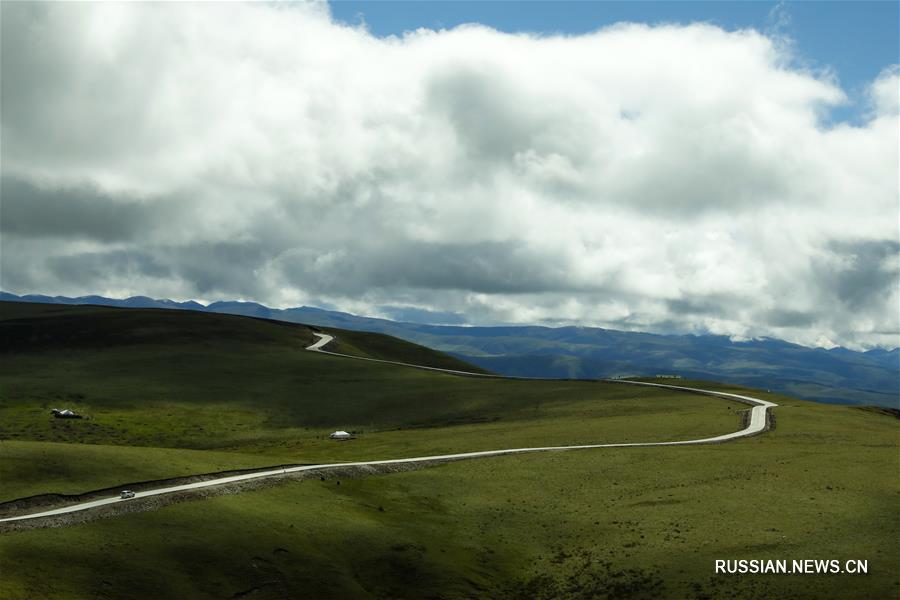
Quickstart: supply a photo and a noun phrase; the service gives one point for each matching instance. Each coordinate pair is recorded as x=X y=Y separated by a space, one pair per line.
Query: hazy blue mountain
x=835 y=375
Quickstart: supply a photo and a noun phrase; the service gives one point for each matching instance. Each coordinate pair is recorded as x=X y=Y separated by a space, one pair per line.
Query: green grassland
x=381 y=346
x=32 y=468
x=617 y=523
x=610 y=523
x=178 y=380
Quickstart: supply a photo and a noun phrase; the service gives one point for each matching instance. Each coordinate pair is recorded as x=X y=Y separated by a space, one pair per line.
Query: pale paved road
x=757 y=425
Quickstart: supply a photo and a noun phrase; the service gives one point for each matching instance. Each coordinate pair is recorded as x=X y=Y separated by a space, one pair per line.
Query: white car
x=126 y=494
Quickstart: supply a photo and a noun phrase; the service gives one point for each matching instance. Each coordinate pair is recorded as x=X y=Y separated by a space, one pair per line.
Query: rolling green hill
x=185 y=380
x=29 y=328
x=171 y=393
x=838 y=375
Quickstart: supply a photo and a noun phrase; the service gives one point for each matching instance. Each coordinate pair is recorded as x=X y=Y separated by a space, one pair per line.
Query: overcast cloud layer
x=672 y=178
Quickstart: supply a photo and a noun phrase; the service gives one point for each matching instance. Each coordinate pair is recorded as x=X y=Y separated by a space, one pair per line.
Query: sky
x=853 y=40
x=668 y=167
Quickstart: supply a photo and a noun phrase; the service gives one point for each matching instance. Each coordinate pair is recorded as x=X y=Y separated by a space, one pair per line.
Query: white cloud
x=661 y=178
x=885 y=92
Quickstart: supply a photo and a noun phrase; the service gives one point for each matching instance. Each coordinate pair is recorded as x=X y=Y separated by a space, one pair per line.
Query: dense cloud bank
x=670 y=178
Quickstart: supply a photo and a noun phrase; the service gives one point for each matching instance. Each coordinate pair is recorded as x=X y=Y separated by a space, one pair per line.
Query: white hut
x=340 y=435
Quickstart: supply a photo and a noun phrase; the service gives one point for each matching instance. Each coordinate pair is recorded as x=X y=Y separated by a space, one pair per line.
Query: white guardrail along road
x=757 y=424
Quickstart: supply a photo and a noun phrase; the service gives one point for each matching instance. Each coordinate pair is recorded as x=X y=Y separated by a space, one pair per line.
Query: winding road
x=757 y=424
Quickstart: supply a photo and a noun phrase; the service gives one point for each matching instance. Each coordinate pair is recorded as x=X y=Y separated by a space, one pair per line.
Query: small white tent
x=340 y=435
x=65 y=414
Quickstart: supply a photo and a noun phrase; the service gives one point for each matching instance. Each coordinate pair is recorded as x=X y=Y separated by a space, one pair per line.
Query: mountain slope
x=836 y=376
x=186 y=379
x=241 y=393
x=30 y=327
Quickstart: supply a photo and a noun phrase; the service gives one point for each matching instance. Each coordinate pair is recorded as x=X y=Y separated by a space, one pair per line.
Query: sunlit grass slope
x=616 y=523
x=173 y=393
x=246 y=388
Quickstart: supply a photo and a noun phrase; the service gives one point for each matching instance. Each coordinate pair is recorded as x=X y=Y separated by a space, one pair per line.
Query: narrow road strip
x=756 y=425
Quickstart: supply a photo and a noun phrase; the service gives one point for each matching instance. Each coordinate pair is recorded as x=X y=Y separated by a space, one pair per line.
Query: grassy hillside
x=381 y=346
x=173 y=393
x=638 y=523
x=166 y=378
x=33 y=328
x=837 y=375
x=33 y=468
x=184 y=380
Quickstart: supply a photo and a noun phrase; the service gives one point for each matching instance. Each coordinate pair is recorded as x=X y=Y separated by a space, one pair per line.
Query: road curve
x=757 y=424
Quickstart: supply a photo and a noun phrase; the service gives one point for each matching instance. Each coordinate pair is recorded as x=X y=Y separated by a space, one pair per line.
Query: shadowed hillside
x=189 y=379
x=838 y=375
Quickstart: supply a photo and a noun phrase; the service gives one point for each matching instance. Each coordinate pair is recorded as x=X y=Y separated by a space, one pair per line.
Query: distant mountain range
x=837 y=375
